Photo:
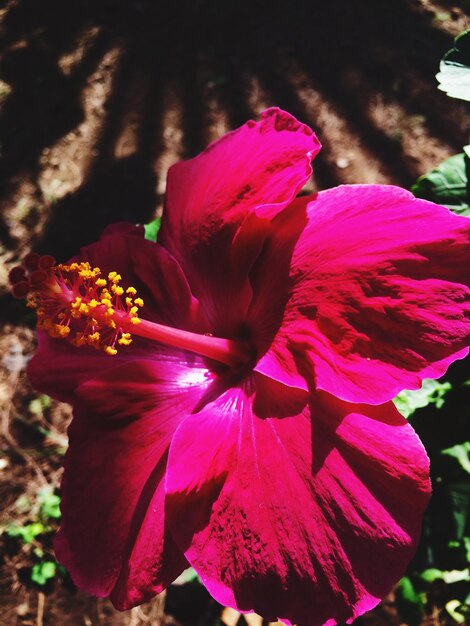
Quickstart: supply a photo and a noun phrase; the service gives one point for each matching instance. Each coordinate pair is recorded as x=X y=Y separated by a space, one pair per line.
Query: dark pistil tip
x=20 y=290
x=37 y=277
x=31 y=261
x=16 y=275
x=46 y=262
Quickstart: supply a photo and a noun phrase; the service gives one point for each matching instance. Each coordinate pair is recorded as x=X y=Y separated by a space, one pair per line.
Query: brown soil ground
x=99 y=98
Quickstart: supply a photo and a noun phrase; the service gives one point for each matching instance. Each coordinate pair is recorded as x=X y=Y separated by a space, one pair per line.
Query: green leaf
x=49 y=503
x=466 y=545
x=431 y=392
x=459 y=493
x=37 y=405
x=409 y=601
x=152 y=228
x=456 y=576
x=431 y=574
x=454 y=69
x=457 y=611
x=461 y=452
x=43 y=572
x=448 y=184
x=27 y=533
x=461 y=546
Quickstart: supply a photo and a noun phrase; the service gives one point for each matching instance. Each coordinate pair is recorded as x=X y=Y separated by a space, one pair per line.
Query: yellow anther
x=100 y=282
x=133 y=310
x=93 y=304
x=111 y=351
x=61 y=330
x=135 y=320
x=114 y=277
x=139 y=302
x=131 y=290
x=107 y=302
x=125 y=340
x=129 y=301
x=93 y=339
x=117 y=290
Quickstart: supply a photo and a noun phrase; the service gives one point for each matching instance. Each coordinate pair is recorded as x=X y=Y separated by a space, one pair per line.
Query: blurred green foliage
x=431 y=392
x=440 y=413
x=39 y=523
x=448 y=184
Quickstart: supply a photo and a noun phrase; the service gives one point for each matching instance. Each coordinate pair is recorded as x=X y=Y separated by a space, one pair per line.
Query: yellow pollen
x=62 y=330
x=73 y=302
x=114 y=277
x=117 y=290
x=125 y=340
x=93 y=340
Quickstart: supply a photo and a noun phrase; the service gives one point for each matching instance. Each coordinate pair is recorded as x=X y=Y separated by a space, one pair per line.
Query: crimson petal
x=239 y=182
x=276 y=515
x=378 y=293
x=113 y=537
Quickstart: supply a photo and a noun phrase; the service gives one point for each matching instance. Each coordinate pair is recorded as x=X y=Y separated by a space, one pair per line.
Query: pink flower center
x=76 y=303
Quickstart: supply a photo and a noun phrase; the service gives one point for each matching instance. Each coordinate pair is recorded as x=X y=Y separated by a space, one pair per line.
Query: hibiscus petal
x=261 y=165
x=254 y=171
x=149 y=268
x=378 y=292
x=276 y=515
x=113 y=537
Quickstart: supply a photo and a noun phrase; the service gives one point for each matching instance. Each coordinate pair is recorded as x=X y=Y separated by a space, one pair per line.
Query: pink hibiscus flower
x=231 y=383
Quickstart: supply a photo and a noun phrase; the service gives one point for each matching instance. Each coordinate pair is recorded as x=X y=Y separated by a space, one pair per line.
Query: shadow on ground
x=349 y=53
